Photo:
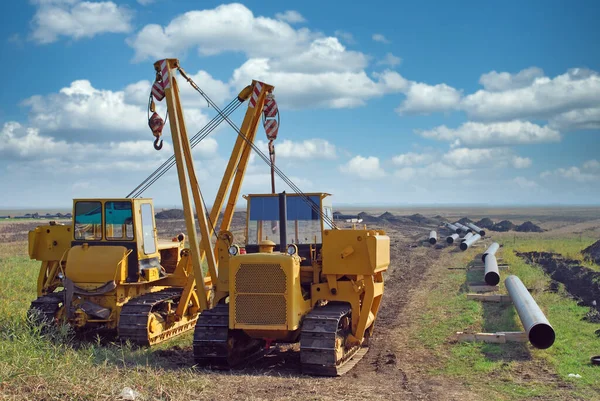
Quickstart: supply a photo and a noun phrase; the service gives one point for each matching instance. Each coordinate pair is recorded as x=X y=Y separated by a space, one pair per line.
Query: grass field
x=513 y=370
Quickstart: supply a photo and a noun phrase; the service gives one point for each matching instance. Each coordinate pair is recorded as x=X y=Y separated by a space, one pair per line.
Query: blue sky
x=395 y=103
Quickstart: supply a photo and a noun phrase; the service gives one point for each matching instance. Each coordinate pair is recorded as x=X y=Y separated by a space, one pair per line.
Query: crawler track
x=219 y=347
x=134 y=320
x=324 y=333
x=44 y=309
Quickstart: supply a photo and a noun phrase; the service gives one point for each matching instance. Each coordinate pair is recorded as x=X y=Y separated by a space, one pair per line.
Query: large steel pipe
x=452 y=238
x=491 y=272
x=476 y=229
x=453 y=228
x=469 y=241
x=490 y=251
x=466 y=237
x=432 y=237
x=462 y=227
x=539 y=331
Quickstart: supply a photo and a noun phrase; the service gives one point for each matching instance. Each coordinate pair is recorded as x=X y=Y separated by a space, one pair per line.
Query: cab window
x=119 y=220
x=148 y=229
x=88 y=220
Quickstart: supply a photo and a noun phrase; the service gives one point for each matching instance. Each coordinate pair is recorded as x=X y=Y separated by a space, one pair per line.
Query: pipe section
x=462 y=227
x=539 y=331
x=476 y=229
x=470 y=241
x=491 y=272
x=453 y=228
x=490 y=251
x=452 y=238
x=466 y=237
x=432 y=237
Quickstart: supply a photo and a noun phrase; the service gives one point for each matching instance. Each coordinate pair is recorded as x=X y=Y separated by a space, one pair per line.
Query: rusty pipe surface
x=432 y=237
x=452 y=238
x=469 y=241
x=476 y=229
x=539 y=331
x=492 y=249
x=491 y=272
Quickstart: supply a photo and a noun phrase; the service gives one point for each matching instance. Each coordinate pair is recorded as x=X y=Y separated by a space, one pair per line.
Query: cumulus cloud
x=422 y=98
x=145 y=2
x=291 y=16
x=501 y=81
x=412 y=159
x=476 y=134
x=390 y=60
x=543 y=98
x=521 y=162
x=573 y=174
x=345 y=36
x=591 y=164
x=580 y=119
x=525 y=183
x=377 y=37
x=315 y=148
x=78 y=19
x=364 y=167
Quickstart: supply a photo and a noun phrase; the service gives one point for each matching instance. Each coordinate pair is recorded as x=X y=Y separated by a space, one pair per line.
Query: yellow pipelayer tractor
x=297 y=278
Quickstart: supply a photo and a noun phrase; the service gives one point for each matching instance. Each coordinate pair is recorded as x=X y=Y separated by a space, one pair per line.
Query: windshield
x=88 y=220
x=119 y=220
x=303 y=223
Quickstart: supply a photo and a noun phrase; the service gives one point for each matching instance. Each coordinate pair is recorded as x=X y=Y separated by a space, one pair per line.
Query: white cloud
x=291 y=16
x=465 y=157
x=377 y=37
x=544 y=98
x=412 y=159
x=75 y=19
x=524 y=183
x=494 y=134
x=308 y=149
x=145 y=2
x=521 y=162
x=363 y=167
x=572 y=173
x=591 y=164
x=345 y=36
x=422 y=98
x=577 y=119
x=501 y=81
x=390 y=60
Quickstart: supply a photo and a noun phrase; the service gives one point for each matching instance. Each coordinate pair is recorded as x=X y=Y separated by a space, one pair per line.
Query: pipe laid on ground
x=462 y=227
x=466 y=237
x=452 y=238
x=453 y=228
x=470 y=241
x=539 y=331
x=492 y=249
x=477 y=229
x=432 y=237
x=491 y=272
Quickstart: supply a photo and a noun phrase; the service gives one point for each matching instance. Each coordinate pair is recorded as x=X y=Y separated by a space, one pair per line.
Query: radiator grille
x=260 y=295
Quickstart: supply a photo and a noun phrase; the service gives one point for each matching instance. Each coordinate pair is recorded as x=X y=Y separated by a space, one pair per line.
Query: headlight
x=292 y=249
x=60 y=275
x=234 y=250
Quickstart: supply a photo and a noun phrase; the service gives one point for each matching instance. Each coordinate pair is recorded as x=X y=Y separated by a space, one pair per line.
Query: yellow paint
x=97 y=264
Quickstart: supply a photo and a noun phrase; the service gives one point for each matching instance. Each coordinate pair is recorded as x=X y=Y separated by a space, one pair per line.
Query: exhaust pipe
x=490 y=251
x=432 y=237
x=539 y=331
x=491 y=273
x=452 y=238
x=282 y=222
x=470 y=241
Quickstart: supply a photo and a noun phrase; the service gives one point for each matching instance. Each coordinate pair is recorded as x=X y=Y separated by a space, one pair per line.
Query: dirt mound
x=579 y=281
x=387 y=216
x=529 y=227
x=592 y=253
x=503 y=226
x=486 y=222
x=367 y=218
x=420 y=219
x=171 y=214
x=465 y=220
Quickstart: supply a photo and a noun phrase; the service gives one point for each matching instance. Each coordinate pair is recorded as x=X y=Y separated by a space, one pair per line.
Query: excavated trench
x=580 y=282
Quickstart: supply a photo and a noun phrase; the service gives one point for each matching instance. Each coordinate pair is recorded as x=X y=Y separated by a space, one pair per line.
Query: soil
x=170 y=214
x=592 y=253
x=503 y=226
x=529 y=227
x=579 y=281
x=486 y=222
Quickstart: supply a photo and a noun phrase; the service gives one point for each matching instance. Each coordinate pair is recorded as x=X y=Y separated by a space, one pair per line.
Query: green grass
x=514 y=367
x=35 y=365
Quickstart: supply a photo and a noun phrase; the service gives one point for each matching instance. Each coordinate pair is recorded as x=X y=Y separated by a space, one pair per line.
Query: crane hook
x=156 y=145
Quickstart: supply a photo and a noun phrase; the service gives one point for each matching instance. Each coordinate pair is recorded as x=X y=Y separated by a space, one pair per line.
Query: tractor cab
x=303 y=227
x=127 y=223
